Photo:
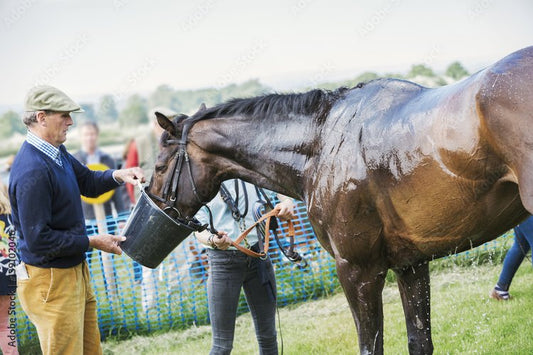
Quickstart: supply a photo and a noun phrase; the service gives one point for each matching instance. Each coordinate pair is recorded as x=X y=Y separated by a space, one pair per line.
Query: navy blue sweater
x=46 y=206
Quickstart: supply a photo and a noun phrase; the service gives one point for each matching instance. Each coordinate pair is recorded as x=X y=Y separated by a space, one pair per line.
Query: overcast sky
x=119 y=47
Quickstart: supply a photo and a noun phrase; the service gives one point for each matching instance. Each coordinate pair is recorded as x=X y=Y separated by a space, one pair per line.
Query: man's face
x=54 y=127
x=89 y=138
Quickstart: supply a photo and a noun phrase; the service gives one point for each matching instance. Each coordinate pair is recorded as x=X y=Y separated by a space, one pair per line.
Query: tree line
x=136 y=109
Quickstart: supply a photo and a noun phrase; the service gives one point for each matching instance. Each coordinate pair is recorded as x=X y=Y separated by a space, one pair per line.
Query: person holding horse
x=230 y=270
x=523 y=241
x=53 y=281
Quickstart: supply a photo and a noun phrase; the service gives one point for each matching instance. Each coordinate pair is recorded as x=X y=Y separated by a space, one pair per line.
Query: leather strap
x=264 y=253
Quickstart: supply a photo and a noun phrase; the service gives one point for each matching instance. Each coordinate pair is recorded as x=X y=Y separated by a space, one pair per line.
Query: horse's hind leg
x=413 y=283
x=363 y=288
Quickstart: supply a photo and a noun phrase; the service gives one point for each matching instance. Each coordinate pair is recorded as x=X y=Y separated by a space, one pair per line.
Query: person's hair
x=29 y=118
x=5 y=207
x=91 y=124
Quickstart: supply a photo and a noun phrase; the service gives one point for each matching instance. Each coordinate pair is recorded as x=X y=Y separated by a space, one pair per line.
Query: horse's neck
x=269 y=153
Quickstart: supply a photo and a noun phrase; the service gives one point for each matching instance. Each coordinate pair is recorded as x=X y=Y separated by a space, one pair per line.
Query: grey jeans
x=229 y=271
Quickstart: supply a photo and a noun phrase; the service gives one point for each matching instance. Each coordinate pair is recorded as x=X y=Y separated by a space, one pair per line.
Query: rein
x=289 y=253
x=266 y=217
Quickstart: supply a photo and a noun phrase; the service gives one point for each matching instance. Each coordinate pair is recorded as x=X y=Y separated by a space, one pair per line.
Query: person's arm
x=107 y=242
x=220 y=241
x=215 y=241
x=92 y=183
x=285 y=206
x=33 y=194
x=118 y=199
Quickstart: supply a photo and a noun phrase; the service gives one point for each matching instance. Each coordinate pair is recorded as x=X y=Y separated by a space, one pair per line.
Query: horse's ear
x=165 y=123
x=202 y=107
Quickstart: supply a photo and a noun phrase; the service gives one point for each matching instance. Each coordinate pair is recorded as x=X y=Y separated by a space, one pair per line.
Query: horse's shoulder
x=506 y=80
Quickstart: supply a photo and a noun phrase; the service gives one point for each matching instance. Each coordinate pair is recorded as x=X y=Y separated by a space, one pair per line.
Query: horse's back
x=422 y=161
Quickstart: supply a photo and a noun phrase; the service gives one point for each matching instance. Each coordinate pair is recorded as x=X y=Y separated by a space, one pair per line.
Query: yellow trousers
x=62 y=306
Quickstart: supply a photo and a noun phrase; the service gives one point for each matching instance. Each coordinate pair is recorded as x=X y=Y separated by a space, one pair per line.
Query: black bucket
x=151 y=234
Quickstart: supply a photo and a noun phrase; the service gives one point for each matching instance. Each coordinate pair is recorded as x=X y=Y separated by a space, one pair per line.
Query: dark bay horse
x=393 y=174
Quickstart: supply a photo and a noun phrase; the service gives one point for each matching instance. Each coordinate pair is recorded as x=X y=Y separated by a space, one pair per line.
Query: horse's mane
x=313 y=103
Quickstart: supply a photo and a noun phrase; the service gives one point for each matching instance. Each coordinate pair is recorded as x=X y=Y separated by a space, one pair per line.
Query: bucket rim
x=158 y=209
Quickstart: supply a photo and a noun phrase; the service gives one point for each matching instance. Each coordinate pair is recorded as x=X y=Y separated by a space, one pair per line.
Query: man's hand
x=107 y=242
x=131 y=175
x=285 y=209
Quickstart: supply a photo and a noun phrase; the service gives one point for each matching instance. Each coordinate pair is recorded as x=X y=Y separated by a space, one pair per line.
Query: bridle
x=170 y=194
x=170 y=188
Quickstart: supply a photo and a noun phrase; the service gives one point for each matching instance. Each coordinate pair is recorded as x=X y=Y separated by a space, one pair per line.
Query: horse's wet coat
x=393 y=174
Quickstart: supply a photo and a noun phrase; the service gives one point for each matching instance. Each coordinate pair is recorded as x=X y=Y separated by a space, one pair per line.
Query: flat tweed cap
x=49 y=98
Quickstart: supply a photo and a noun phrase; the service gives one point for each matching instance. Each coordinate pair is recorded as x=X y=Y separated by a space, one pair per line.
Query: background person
x=523 y=241
x=142 y=151
x=230 y=270
x=53 y=281
x=8 y=280
x=117 y=205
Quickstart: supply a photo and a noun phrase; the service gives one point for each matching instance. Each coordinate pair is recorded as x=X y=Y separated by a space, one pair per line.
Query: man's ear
x=41 y=115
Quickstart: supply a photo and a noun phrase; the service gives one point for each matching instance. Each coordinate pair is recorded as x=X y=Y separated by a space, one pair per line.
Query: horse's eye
x=160 y=168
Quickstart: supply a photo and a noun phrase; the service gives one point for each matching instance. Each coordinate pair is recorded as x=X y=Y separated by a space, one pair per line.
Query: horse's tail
x=505 y=105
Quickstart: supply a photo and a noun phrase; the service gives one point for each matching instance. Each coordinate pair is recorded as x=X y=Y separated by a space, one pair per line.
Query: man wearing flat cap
x=44 y=187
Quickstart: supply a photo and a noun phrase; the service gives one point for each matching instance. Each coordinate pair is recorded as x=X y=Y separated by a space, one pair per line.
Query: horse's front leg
x=363 y=287
x=413 y=283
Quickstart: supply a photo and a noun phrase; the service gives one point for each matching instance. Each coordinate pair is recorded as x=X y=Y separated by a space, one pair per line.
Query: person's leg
x=8 y=340
x=513 y=259
x=226 y=275
x=149 y=288
x=137 y=272
x=54 y=300
x=260 y=291
x=91 y=332
x=526 y=228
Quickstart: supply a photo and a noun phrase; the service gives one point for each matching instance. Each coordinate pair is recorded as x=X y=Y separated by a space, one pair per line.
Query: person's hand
x=131 y=175
x=285 y=209
x=222 y=241
x=107 y=242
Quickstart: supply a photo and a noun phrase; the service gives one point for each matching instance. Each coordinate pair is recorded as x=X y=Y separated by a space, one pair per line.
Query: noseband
x=170 y=189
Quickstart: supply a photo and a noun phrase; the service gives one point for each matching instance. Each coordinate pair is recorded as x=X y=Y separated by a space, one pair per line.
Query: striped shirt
x=45 y=147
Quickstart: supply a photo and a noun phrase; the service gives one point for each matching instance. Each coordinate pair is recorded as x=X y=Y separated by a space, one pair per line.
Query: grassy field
x=464 y=320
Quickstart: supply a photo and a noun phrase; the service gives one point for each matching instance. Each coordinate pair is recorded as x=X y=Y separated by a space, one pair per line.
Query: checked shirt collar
x=45 y=147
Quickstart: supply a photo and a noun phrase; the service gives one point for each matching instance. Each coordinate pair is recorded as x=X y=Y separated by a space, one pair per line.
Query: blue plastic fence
x=134 y=299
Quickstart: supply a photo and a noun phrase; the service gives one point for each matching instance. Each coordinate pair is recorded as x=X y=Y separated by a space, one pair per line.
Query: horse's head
x=180 y=183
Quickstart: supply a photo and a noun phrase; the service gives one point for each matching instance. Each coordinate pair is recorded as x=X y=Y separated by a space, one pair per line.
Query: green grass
x=464 y=320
